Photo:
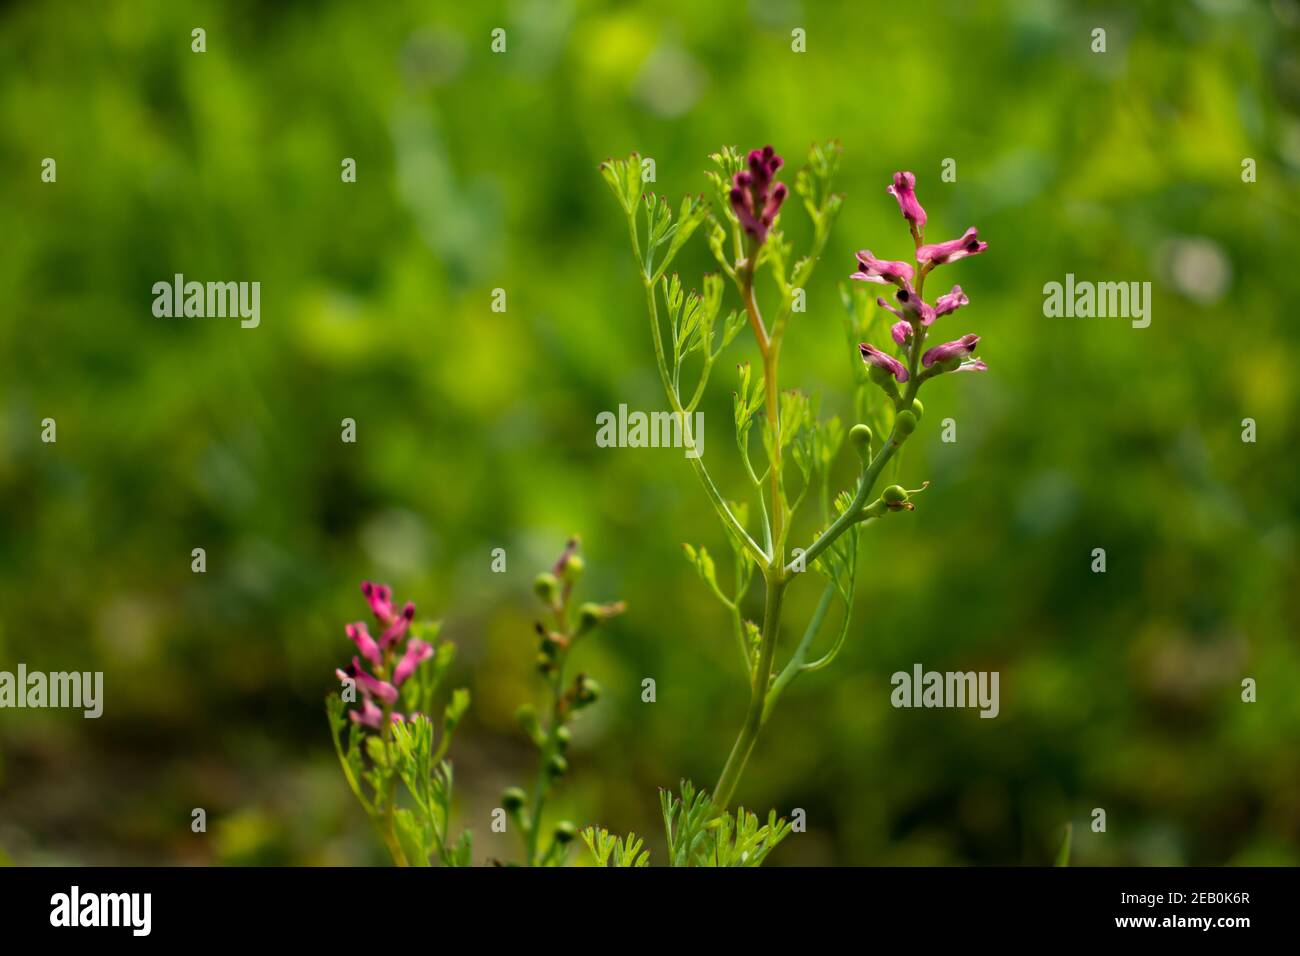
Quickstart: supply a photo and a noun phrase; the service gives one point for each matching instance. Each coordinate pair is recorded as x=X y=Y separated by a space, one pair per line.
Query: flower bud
x=586 y=692
x=526 y=717
x=860 y=435
x=572 y=569
x=557 y=766
x=565 y=832
x=918 y=409
x=562 y=737
x=904 y=425
x=513 y=799
x=546 y=586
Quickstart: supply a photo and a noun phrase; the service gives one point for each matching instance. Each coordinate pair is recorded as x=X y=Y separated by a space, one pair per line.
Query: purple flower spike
x=873 y=356
x=951 y=302
x=417 y=652
x=755 y=199
x=882 y=271
x=359 y=636
x=904 y=190
x=901 y=331
x=959 y=348
x=941 y=252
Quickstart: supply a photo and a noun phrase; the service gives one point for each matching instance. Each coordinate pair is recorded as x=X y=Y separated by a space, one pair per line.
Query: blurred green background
x=476 y=429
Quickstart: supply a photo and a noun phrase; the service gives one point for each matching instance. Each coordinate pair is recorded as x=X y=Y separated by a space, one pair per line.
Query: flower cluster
x=392 y=657
x=914 y=314
x=755 y=199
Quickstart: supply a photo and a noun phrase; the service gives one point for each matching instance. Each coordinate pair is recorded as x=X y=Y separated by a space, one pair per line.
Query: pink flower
x=365 y=643
x=914 y=307
x=901 y=331
x=959 y=348
x=369 y=715
x=754 y=198
x=951 y=302
x=380 y=597
x=882 y=271
x=417 y=651
x=397 y=630
x=974 y=366
x=954 y=249
x=385 y=691
x=873 y=356
x=904 y=190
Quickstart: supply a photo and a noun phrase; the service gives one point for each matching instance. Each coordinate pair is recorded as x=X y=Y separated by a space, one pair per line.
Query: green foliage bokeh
x=478 y=171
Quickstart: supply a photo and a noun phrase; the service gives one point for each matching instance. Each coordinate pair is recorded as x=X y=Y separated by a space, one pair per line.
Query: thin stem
x=719 y=505
x=770 y=351
x=390 y=834
x=735 y=766
x=796 y=662
x=853 y=512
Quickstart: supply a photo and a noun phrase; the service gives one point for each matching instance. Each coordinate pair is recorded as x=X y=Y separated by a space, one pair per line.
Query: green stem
x=735 y=766
x=715 y=497
x=854 y=511
x=796 y=662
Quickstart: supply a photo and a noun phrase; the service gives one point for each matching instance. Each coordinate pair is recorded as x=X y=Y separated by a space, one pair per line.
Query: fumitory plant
x=798 y=447
x=558 y=633
x=379 y=745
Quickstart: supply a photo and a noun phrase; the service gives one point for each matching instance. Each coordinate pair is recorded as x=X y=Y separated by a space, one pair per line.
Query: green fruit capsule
x=894 y=495
x=573 y=568
x=589 y=615
x=562 y=738
x=565 y=832
x=918 y=409
x=588 y=692
x=546 y=586
x=557 y=766
x=513 y=799
x=861 y=436
x=904 y=424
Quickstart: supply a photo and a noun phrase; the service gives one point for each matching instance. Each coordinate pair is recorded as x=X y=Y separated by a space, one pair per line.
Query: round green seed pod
x=588 y=692
x=573 y=568
x=565 y=832
x=589 y=615
x=918 y=409
x=557 y=766
x=513 y=799
x=860 y=435
x=546 y=586
x=904 y=424
x=894 y=495
x=562 y=738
